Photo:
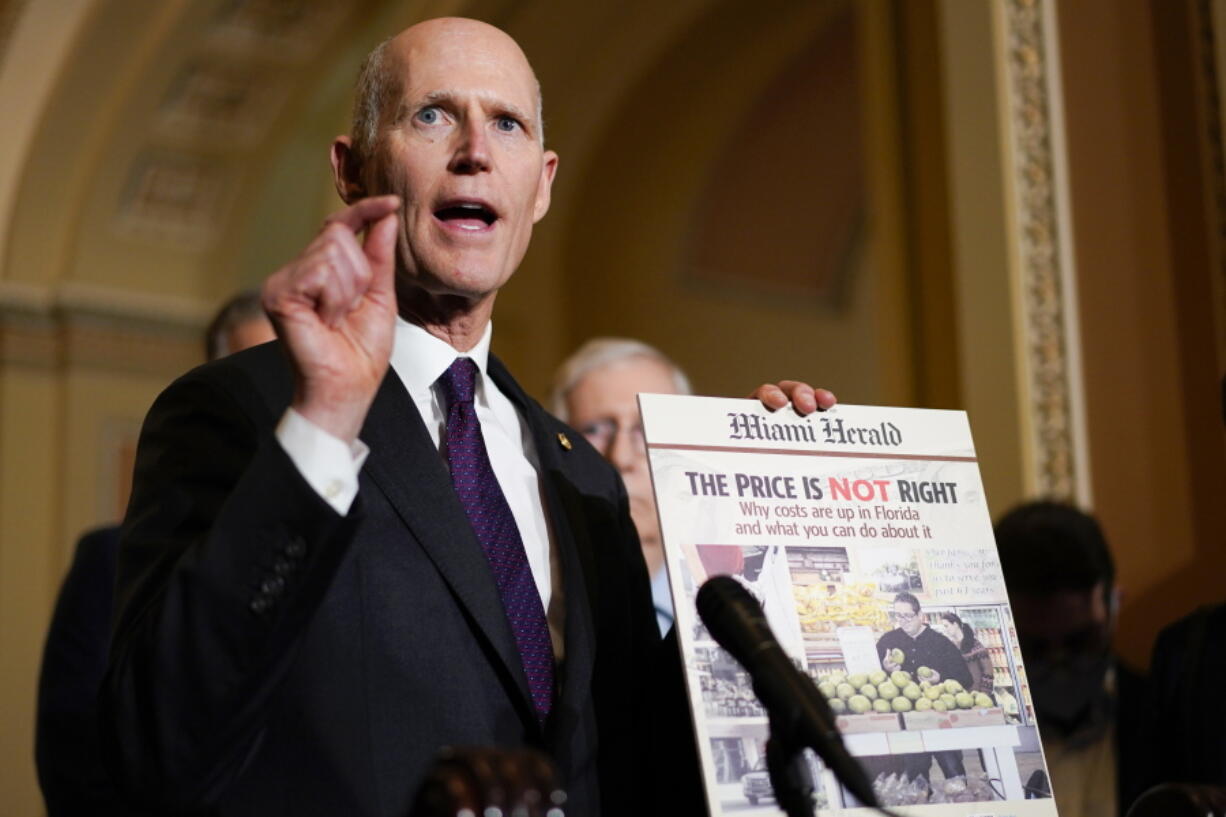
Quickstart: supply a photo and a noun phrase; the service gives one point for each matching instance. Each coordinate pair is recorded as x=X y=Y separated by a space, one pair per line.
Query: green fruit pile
x=897 y=692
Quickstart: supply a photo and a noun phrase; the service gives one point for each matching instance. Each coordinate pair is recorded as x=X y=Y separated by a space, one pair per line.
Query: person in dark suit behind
x=66 y=748
x=1186 y=729
x=330 y=569
x=73 y=778
x=1186 y=725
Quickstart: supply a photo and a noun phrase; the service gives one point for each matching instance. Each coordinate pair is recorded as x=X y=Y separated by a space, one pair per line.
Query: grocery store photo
x=743 y=783
x=727 y=691
x=931 y=696
x=895 y=570
x=763 y=571
x=924 y=735
x=951 y=776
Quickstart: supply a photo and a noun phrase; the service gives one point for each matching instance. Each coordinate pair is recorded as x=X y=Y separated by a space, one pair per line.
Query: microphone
x=737 y=622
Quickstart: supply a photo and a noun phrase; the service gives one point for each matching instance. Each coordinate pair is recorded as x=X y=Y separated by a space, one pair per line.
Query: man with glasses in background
x=596 y=391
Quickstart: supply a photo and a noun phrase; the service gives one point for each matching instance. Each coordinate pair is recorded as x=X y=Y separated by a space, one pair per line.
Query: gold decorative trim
x=31 y=341
x=79 y=326
x=56 y=345
x=1045 y=302
x=123 y=306
x=136 y=350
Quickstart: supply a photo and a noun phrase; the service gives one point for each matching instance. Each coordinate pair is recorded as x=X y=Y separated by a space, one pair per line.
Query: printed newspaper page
x=865 y=534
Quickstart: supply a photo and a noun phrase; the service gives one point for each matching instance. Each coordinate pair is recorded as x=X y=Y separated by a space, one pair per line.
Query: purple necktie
x=490 y=515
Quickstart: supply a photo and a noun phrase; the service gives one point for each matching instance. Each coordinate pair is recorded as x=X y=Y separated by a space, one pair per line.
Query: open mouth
x=466 y=215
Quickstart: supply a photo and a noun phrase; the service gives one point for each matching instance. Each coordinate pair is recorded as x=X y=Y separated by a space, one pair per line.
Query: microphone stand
x=799 y=716
x=789 y=773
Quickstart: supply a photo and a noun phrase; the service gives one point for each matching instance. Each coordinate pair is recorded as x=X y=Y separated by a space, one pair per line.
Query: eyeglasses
x=600 y=433
x=904 y=616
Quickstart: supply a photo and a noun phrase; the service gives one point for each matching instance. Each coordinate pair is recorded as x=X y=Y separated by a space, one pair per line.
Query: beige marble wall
x=108 y=270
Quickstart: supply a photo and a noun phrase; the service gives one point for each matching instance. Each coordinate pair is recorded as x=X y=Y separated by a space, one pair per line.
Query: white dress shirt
x=419 y=358
x=662 y=598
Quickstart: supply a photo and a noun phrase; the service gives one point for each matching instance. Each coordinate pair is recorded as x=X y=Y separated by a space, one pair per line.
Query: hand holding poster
x=858 y=529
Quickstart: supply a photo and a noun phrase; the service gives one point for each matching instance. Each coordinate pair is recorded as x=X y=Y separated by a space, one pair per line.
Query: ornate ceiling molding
x=231 y=79
x=1043 y=238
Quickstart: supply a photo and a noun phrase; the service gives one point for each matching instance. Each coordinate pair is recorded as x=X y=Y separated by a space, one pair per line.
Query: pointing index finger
x=364 y=212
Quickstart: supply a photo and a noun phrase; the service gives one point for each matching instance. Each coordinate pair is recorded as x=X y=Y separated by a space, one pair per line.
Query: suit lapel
x=576 y=676
x=570 y=540
x=407 y=468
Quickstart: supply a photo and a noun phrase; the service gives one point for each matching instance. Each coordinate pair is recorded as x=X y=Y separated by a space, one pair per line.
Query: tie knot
x=459 y=381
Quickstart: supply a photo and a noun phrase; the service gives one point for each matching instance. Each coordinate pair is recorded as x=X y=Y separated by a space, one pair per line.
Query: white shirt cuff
x=325 y=462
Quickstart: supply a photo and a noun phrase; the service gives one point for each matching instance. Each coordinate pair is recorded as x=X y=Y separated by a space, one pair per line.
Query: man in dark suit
x=330 y=570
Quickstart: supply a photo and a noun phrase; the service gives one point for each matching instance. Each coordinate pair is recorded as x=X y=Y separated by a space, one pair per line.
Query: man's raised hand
x=801 y=396
x=334 y=307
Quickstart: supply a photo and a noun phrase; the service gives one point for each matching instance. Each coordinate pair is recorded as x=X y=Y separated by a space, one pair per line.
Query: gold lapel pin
x=564 y=441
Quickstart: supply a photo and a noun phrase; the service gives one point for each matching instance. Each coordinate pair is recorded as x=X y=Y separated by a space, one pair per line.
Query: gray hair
x=378 y=84
x=599 y=352
x=244 y=307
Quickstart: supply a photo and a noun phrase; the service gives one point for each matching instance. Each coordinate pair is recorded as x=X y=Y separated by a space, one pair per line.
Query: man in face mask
x=1061 y=582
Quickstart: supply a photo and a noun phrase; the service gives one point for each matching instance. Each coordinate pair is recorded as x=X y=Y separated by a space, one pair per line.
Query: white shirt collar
x=419 y=358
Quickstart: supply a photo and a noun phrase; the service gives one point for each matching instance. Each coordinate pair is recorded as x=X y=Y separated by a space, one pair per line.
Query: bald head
x=463 y=39
x=452 y=39
x=455 y=133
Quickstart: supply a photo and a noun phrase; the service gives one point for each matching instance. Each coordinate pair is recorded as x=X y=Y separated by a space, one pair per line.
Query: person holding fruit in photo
x=915 y=648
x=913 y=645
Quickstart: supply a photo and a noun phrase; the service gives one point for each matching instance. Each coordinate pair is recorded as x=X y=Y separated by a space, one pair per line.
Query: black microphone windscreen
x=734 y=617
x=738 y=623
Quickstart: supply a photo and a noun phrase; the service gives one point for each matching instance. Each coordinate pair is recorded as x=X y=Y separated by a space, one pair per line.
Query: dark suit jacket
x=272 y=657
x=1134 y=752
x=71 y=772
x=1187 y=731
